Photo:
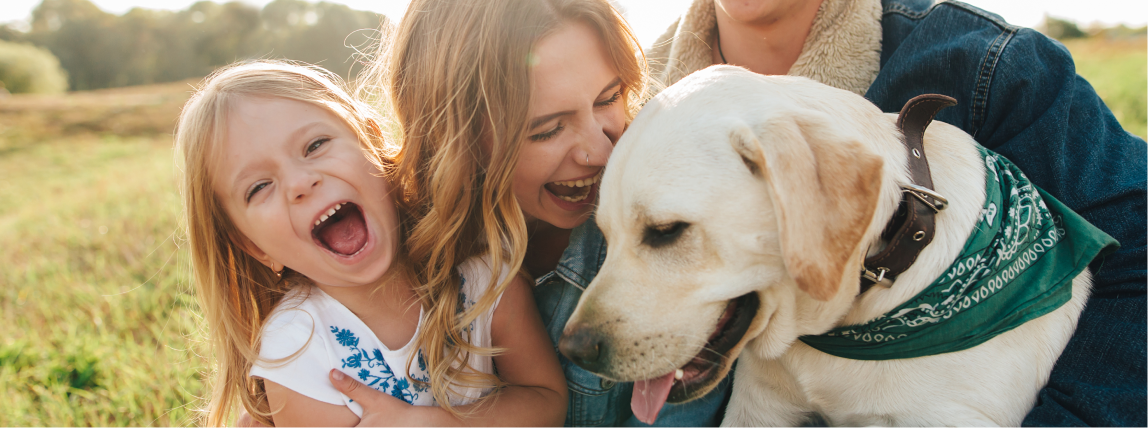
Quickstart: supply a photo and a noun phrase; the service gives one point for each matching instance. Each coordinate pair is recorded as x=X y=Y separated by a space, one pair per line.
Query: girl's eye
x=613 y=99
x=315 y=145
x=548 y=134
x=255 y=189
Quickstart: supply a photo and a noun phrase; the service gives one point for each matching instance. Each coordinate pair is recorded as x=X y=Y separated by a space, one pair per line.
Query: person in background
x=1018 y=94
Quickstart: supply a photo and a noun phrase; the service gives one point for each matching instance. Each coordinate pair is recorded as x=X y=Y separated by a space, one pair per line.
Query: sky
x=650 y=17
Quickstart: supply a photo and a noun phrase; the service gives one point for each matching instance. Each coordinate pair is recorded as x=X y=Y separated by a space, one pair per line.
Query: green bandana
x=1017 y=265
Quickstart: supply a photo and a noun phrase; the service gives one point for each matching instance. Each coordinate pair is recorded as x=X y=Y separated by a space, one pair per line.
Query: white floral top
x=309 y=333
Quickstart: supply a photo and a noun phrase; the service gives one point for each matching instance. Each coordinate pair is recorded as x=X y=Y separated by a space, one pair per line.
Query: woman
x=508 y=111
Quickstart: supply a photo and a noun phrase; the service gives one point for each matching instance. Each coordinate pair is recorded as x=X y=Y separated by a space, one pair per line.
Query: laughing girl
x=300 y=267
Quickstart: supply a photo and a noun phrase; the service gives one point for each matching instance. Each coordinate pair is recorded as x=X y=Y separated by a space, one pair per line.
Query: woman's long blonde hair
x=457 y=73
x=236 y=292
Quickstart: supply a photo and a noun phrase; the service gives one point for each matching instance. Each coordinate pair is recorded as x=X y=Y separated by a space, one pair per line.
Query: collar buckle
x=931 y=198
x=873 y=277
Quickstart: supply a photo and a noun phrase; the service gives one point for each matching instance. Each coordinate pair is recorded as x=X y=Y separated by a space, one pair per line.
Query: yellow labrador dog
x=739 y=211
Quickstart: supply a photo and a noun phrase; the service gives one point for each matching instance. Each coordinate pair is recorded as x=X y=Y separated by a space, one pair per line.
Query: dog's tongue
x=649 y=397
x=346 y=234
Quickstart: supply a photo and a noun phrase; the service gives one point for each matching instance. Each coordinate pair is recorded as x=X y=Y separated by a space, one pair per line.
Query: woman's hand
x=379 y=409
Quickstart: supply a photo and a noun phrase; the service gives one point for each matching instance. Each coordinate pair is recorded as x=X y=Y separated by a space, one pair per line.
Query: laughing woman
x=509 y=110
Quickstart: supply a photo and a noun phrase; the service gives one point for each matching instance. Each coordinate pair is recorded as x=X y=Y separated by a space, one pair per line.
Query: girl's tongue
x=345 y=232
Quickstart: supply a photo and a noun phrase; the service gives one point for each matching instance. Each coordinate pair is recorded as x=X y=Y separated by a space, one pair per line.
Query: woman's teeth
x=583 y=186
x=329 y=213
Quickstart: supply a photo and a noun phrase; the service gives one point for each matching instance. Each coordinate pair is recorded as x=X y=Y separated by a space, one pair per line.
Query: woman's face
x=576 y=115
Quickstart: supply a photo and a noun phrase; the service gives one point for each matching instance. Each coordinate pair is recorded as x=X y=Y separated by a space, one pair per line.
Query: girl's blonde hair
x=457 y=73
x=236 y=292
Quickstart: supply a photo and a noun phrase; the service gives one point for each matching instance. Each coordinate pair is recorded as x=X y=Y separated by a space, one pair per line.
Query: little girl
x=298 y=258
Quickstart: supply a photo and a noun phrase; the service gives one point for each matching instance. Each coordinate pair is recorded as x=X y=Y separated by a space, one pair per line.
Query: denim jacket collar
x=583 y=256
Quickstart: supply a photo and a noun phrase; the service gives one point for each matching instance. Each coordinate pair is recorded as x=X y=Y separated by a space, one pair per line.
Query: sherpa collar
x=843 y=48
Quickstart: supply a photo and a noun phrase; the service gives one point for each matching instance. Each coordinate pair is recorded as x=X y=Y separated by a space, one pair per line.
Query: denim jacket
x=1019 y=95
x=595 y=401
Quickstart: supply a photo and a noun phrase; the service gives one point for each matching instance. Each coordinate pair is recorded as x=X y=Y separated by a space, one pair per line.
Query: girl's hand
x=379 y=409
x=246 y=421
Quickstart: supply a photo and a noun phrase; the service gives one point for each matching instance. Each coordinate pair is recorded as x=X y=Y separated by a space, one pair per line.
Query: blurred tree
x=101 y=50
x=28 y=69
x=1060 y=29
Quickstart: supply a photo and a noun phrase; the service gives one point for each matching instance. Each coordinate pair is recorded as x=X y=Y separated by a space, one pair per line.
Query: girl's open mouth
x=341 y=230
x=574 y=190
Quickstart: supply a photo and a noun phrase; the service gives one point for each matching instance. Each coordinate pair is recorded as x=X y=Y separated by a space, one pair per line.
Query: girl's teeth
x=329 y=213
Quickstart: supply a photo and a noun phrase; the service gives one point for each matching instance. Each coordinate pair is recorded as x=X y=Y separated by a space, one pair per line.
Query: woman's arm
x=535 y=394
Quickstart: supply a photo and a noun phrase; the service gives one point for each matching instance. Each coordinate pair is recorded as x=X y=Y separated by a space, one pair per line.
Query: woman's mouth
x=341 y=230
x=574 y=190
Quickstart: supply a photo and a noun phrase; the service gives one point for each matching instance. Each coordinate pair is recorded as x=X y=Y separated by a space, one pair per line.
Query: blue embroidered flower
x=354 y=361
x=345 y=337
x=382 y=378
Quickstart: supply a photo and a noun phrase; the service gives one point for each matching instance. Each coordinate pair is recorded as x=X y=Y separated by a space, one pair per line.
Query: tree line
x=97 y=49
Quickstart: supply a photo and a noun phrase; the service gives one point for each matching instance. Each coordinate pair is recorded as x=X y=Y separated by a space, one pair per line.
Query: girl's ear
x=257 y=253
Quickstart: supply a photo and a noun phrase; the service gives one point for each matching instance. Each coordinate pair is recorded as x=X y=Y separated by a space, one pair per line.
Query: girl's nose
x=302 y=185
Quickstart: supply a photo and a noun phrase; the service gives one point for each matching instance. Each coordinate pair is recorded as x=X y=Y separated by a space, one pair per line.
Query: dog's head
x=732 y=205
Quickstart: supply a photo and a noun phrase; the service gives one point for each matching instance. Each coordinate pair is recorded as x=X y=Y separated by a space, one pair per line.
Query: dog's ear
x=825 y=186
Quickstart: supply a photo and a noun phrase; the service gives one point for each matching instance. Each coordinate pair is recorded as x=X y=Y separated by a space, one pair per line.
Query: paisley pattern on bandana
x=1017 y=265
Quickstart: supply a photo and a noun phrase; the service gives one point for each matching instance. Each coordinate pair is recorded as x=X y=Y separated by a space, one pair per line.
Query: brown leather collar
x=914 y=224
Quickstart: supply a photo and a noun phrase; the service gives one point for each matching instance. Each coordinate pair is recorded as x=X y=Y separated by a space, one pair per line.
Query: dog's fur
x=786 y=185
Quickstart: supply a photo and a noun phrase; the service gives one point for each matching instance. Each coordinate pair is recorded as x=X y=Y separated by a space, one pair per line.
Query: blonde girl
x=300 y=267
x=508 y=111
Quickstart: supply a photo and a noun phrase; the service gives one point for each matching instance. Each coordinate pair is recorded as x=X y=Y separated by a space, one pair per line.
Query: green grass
x=1118 y=70
x=100 y=326
x=100 y=323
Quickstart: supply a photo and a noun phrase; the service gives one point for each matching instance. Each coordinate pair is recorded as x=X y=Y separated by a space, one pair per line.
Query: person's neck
x=770 y=45
x=544 y=247
x=389 y=307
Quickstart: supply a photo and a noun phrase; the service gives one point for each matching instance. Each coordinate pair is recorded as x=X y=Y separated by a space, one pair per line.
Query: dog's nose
x=583 y=346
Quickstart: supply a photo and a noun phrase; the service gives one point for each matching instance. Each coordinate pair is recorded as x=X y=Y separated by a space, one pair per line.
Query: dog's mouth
x=341 y=230
x=574 y=190
x=702 y=372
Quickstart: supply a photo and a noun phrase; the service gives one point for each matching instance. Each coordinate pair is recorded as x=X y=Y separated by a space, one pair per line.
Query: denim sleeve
x=1051 y=123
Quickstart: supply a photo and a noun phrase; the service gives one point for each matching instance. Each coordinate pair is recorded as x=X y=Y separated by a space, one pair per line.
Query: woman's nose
x=596 y=147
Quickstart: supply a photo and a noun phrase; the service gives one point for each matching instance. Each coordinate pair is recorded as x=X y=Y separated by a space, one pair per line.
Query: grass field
x=100 y=323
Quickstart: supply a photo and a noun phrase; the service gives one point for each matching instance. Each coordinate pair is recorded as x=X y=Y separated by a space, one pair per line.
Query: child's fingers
x=245 y=420
x=350 y=387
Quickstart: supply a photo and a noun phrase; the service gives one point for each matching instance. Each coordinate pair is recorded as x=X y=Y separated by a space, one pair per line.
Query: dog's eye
x=664 y=234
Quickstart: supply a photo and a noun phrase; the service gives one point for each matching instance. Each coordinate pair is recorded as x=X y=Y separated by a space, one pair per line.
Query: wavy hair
x=236 y=292
x=457 y=76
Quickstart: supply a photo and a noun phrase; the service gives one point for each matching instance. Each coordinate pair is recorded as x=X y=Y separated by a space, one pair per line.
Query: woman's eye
x=613 y=99
x=548 y=134
x=315 y=145
x=255 y=189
